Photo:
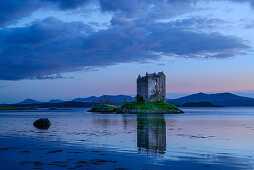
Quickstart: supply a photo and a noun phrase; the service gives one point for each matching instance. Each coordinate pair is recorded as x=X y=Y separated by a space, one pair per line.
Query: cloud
x=130 y=7
x=155 y=9
x=50 y=47
x=69 y=4
x=40 y=50
x=251 y=2
x=192 y=44
x=149 y=9
x=197 y=23
x=250 y=25
x=12 y=10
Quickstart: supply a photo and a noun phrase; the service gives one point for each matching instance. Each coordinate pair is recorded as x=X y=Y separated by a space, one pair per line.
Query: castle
x=152 y=87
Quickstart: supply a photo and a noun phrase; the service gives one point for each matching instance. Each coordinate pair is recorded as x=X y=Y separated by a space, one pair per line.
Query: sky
x=64 y=49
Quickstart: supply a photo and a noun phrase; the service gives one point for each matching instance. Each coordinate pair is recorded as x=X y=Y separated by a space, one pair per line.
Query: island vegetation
x=139 y=106
x=15 y=108
x=29 y=108
x=105 y=108
x=149 y=107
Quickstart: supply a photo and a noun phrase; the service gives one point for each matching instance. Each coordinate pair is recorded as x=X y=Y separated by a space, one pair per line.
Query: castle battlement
x=152 y=87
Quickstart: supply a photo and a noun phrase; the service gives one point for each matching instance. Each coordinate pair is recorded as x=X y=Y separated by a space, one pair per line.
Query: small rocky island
x=150 y=98
x=160 y=107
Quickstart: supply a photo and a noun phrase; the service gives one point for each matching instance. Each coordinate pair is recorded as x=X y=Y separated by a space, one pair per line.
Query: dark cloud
x=11 y=10
x=50 y=47
x=149 y=9
x=42 y=49
x=130 y=7
x=197 y=23
x=193 y=44
x=69 y=4
x=155 y=8
x=251 y=2
x=250 y=25
x=47 y=48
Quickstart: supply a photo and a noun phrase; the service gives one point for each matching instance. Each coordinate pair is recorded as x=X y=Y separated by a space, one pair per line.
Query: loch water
x=201 y=138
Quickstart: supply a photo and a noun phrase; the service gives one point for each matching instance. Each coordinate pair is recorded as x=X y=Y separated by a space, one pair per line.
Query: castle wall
x=142 y=87
x=152 y=84
x=162 y=87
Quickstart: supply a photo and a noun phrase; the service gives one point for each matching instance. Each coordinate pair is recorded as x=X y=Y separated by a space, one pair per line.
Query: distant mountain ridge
x=221 y=99
x=56 y=101
x=29 y=101
x=109 y=98
x=104 y=98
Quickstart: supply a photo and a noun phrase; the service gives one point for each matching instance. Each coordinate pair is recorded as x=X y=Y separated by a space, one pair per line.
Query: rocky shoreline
x=152 y=111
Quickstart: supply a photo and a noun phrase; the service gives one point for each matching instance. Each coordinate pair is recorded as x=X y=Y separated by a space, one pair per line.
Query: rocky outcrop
x=104 y=108
x=42 y=123
x=155 y=98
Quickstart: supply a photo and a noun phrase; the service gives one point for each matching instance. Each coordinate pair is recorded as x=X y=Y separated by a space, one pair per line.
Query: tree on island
x=139 y=98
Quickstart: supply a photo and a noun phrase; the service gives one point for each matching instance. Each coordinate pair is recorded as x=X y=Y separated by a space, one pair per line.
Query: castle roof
x=150 y=75
x=160 y=73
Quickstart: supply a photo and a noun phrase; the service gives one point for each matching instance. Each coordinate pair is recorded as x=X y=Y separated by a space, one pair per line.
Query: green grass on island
x=150 y=106
x=132 y=107
x=105 y=108
x=15 y=108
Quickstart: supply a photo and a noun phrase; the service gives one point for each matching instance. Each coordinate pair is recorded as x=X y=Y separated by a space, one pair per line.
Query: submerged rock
x=42 y=123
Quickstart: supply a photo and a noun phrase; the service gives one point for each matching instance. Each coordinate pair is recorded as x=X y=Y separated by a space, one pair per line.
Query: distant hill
x=108 y=98
x=87 y=99
x=56 y=101
x=57 y=105
x=221 y=99
x=29 y=101
x=202 y=99
x=200 y=104
x=83 y=102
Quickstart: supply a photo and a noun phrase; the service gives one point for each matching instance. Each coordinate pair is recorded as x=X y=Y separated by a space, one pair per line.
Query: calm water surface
x=208 y=136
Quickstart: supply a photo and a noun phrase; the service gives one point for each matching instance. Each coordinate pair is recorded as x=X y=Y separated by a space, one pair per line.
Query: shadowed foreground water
x=202 y=138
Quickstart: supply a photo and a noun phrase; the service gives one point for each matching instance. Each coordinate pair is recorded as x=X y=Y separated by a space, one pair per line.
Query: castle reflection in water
x=151 y=133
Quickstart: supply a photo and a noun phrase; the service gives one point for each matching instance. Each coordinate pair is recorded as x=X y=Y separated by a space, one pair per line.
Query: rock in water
x=42 y=123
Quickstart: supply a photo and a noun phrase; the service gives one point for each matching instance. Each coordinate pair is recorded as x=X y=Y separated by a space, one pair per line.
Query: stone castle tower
x=152 y=87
